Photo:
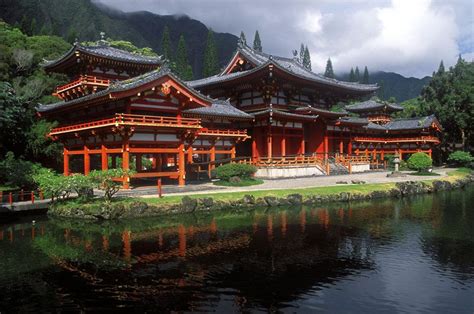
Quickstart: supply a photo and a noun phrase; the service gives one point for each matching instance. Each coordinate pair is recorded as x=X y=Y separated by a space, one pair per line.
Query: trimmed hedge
x=242 y=171
x=420 y=161
x=460 y=158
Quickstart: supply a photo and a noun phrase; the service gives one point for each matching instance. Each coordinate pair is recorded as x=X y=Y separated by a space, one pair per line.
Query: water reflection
x=345 y=257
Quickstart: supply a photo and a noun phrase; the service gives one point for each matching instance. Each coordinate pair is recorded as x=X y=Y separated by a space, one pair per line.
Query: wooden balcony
x=85 y=84
x=134 y=120
x=418 y=139
x=223 y=133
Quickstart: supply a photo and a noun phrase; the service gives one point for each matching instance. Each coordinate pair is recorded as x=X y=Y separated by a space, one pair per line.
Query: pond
x=391 y=256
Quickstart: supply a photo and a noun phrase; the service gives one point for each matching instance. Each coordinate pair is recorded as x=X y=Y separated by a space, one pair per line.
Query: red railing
x=11 y=197
x=131 y=119
x=397 y=140
x=217 y=132
x=83 y=80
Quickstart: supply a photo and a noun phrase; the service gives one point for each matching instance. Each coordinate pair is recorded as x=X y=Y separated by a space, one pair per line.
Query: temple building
x=121 y=107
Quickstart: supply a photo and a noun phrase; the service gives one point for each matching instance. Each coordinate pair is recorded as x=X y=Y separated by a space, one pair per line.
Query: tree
x=23 y=59
x=365 y=78
x=357 y=75
x=307 y=59
x=441 y=68
x=33 y=27
x=352 y=75
x=257 y=43
x=450 y=96
x=420 y=162
x=104 y=181
x=461 y=158
x=211 y=62
x=71 y=35
x=183 y=69
x=242 y=38
x=166 y=51
x=301 y=53
x=329 y=70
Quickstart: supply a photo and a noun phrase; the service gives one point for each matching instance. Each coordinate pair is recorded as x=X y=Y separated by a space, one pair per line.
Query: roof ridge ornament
x=102 y=41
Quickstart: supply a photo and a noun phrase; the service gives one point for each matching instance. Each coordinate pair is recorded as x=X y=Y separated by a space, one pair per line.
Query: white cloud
x=406 y=36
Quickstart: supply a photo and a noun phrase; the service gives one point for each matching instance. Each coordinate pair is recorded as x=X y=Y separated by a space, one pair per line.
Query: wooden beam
x=136 y=150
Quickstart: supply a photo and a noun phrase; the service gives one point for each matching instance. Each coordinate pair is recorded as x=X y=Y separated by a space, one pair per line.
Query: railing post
x=159 y=188
x=10 y=198
x=22 y=195
x=41 y=195
x=32 y=197
x=1 y=196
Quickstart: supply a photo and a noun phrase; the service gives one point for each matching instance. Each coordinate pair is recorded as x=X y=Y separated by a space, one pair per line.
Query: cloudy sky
x=405 y=36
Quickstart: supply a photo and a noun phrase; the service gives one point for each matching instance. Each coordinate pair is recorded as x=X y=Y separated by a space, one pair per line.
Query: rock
x=271 y=201
x=138 y=207
x=207 y=202
x=357 y=181
x=188 y=204
x=248 y=199
x=341 y=182
x=344 y=196
x=412 y=187
x=295 y=199
x=235 y=180
x=379 y=194
x=395 y=193
x=441 y=185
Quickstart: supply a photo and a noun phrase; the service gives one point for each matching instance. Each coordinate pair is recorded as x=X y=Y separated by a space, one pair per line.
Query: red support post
x=22 y=196
x=32 y=197
x=41 y=195
x=160 y=194
x=10 y=198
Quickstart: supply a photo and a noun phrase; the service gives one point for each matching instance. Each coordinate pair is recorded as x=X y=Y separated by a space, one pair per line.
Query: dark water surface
x=392 y=256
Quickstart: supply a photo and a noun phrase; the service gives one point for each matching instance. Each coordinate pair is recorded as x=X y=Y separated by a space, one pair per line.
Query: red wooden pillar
x=232 y=152
x=302 y=148
x=269 y=142
x=430 y=152
x=189 y=154
x=126 y=163
x=138 y=162
x=326 y=145
x=341 y=145
x=104 y=158
x=66 y=161
x=283 y=143
x=181 y=170
x=254 y=148
x=87 y=160
x=349 y=147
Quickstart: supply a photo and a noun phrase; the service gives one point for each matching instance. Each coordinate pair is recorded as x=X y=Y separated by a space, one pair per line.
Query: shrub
x=81 y=185
x=17 y=172
x=420 y=162
x=52 y=184
x=227 y=171
x=460 y=158
x=104 y=181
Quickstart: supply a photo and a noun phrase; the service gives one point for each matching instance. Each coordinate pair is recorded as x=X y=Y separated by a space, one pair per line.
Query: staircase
x=337 y=169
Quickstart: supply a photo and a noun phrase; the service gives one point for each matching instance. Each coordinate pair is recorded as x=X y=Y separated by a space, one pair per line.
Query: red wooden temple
x=127 y=108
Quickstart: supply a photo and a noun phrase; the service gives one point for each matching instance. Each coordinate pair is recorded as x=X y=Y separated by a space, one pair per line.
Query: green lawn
x=323 y=190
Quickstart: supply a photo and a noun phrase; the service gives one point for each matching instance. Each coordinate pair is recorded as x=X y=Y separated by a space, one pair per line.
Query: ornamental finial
x=102 y=35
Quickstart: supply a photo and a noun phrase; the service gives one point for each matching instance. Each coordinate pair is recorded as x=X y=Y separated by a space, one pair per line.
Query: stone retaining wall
x=119 y=210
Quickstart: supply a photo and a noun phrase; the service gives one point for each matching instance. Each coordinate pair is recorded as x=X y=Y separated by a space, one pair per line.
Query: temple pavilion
x=124 y=109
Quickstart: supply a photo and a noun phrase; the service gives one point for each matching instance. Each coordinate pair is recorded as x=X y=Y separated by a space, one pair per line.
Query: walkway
x=280 y=184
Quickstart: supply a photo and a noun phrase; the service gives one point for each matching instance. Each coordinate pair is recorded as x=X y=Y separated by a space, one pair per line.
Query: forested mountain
x=395 y=85
x=84 y=20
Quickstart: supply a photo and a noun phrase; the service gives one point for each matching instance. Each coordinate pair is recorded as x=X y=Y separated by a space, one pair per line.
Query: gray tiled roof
x=354 y=120
x=104 y=50
x=417 y=123
x=373 y=105
x=218 y=109
x=320 y=111
x=125 y=85
x=291 y=66
x=275 y=112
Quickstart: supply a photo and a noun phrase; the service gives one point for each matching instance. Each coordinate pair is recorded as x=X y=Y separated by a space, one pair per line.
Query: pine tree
x=242 y=37
x=307 y=59
x=365 y=78
x=45 y=29
x=441 y=68
x=166 y=51
x=329 y=70
x=357 y=75
x=183 y=69
x=301 y=53
x=352 y=75
x=33 y=27
x=25 y=25
x=257 y=43
x=71 y=36
x=211 y=62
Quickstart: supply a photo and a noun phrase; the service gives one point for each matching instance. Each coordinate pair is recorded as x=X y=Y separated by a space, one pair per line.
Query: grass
x=243 y=182
x=322 y=190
